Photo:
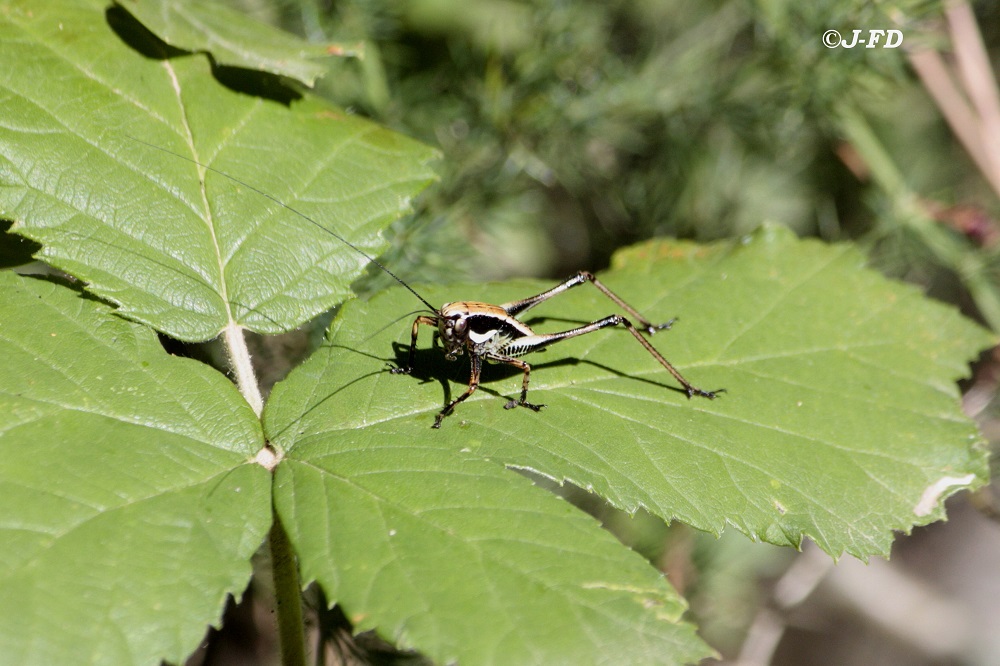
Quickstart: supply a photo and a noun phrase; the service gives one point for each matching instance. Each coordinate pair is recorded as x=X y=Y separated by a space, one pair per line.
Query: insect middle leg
x=526 y=369
x=476 y=371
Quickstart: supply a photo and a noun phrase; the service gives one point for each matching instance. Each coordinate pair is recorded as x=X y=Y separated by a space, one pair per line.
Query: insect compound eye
x=461 y=323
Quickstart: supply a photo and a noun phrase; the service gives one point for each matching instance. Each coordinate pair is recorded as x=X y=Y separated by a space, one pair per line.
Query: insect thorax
x=482 y=327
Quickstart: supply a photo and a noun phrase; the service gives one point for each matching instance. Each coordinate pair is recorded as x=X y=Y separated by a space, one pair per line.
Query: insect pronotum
x=493 y=332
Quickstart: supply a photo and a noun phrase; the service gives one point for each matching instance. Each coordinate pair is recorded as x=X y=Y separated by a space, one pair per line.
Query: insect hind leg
x=689 y=388
x=532 y=343
x=515 y=308
x=644 y=323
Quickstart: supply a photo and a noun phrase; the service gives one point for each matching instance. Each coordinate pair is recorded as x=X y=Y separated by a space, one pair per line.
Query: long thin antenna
x=299 y=213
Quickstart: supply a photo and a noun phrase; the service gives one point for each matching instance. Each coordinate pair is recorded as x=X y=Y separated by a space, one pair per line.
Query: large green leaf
x=454 y=556
x=127 y=508
x=185 y=251
x=841 y=420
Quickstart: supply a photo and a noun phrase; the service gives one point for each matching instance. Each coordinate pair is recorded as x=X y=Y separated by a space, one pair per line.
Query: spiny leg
x=526 y=369
x=689 y=388
x=477 y=367
x=514 y=308
x=532 y=343
x=645 y=323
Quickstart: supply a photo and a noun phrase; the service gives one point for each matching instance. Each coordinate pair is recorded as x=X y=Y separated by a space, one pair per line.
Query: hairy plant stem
x=239 y=361
x=288 y=596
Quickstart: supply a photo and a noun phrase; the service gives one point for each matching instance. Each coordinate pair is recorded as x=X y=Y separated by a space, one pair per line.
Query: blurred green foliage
x=572 y=128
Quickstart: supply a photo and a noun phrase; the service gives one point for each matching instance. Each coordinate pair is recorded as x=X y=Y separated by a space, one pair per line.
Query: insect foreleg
x=408 y=368
x=516 y=307
x=477 y=367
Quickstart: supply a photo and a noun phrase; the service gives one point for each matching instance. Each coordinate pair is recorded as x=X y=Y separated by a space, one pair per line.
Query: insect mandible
x=493 y=333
